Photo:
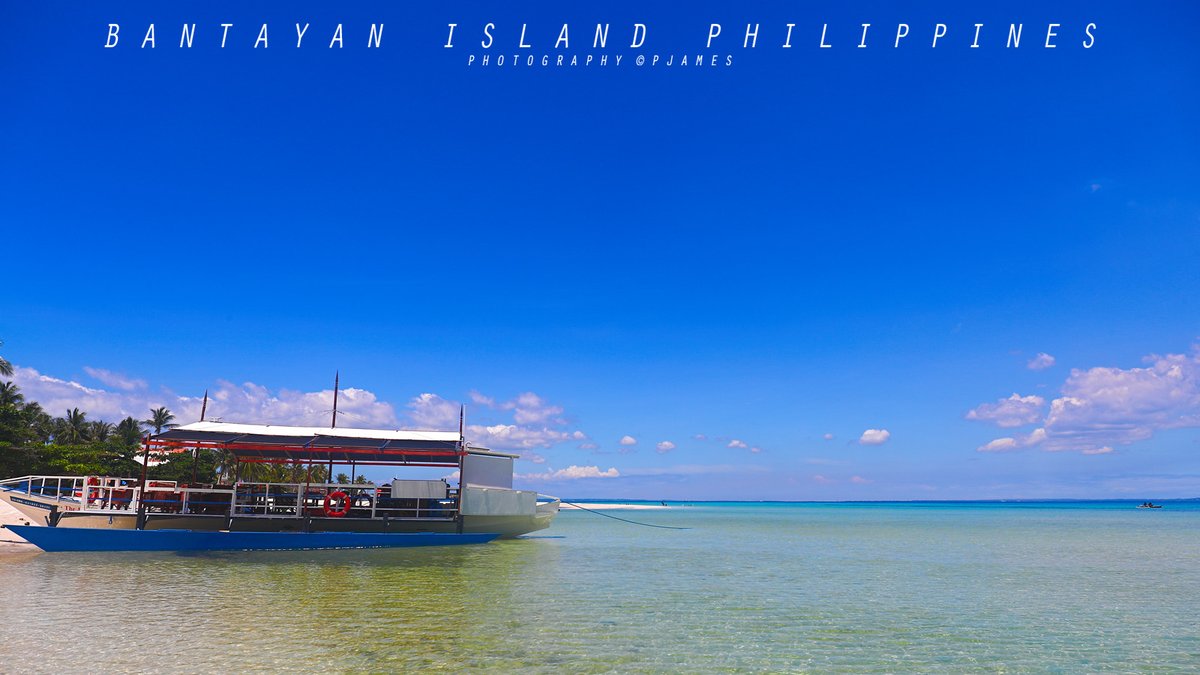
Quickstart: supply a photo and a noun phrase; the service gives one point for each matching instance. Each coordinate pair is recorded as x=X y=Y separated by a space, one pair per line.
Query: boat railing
x=243 y=499
x=114 y=493
x=77 y=492
x=171 y=497
x=366 y=500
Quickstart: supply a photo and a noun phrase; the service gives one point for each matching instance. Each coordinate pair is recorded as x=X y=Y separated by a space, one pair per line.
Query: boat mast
x=336 y=376
x=462 y=453
x=196 y=451
x=333 y=422
x=141 y=511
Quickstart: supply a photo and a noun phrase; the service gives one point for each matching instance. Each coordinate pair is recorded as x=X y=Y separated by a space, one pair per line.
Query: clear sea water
x=882 y=587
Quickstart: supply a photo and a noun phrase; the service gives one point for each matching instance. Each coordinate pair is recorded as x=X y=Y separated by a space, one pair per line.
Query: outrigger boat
x=143 y=514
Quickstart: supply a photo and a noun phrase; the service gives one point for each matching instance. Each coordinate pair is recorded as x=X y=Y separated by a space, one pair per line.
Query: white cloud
x=588 y=446
x=115 y=380
x=248 y=402
x=700 y=437
x=628 y=440
x=999 y=445
x=818 y=478
x=874 y=437
x=527 y=408
x=1104 y=407
x=1009 y=444
x=480 y=399
x=430 y=411
x=515 y=437
x=56 y=396
x=535 y=424
x=255 y=403
x=1013 y=411
x=664 y=446
x=828 y=437
x=1040 y=362
x=735 y=443
x=859 y=480
x=755 y=449
x=572 y=473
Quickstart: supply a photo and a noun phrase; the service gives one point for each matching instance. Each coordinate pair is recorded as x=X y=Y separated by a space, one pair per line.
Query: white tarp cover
x=418 y=489
x=479 y=501
x=488 y=470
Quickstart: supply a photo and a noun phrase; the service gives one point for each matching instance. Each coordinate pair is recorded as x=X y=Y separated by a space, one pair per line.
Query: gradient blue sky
x=808 y=243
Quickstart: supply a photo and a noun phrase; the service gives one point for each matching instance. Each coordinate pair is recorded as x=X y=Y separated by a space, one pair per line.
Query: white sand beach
x=9 y=541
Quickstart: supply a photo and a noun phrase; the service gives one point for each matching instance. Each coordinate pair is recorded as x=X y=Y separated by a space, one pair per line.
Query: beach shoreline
x=9 y=541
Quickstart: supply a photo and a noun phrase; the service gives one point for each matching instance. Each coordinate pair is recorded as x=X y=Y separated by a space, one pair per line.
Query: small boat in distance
x=1149 y=505
x=161 y=515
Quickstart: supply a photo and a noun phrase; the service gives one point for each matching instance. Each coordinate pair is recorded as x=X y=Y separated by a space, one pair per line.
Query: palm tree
x=10 y=394
x=129 y=431
x=99 y=430
x=6 y=368
x=160 y=418
x=251 y=472
x=73 y=428
x=40 y=424
x=225 y=464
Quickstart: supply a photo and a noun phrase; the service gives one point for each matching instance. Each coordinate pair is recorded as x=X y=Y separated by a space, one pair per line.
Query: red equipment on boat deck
x=93 y=493
x=336 y=513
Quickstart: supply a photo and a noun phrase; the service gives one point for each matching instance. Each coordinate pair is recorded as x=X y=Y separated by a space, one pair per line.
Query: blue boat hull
x=56 y=539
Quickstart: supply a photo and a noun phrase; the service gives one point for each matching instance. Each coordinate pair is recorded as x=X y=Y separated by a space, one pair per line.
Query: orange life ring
x=336 y=513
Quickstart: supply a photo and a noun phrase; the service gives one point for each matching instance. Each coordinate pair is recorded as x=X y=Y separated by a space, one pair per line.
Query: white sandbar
x=615 y=507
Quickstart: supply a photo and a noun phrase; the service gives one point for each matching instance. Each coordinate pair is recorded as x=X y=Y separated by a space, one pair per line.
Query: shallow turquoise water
x=1026 y=587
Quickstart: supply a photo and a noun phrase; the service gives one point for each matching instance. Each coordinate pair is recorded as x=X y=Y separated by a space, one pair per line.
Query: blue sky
x=809 y=242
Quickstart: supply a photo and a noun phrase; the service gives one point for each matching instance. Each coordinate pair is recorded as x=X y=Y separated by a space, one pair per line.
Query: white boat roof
x=284 y=431
x=282 y=443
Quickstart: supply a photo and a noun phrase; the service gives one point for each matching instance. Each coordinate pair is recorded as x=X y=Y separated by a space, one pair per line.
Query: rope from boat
x=624 y=520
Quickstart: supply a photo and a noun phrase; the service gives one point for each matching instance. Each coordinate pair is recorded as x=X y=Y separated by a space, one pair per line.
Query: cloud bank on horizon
x=532 y=423
x=1102 y=408
x=1098 y=411
x=535 y=423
